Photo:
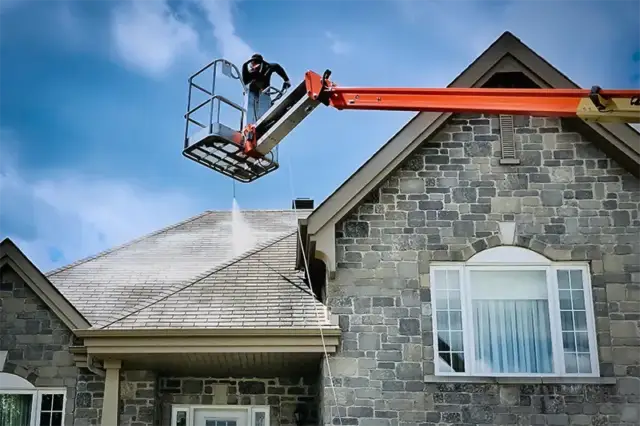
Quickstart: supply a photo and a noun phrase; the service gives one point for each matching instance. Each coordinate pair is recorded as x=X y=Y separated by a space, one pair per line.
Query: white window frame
x=15 y=385
x=504 y=258
x=189 y=409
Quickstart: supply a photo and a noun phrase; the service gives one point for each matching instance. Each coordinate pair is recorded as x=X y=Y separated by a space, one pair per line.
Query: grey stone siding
x=283 y=395
x=569 y=201
x=138 y=396
x=37 y=341
x=89 y=398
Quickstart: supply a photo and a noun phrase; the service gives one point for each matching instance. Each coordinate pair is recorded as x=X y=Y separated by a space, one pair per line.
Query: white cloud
x=66 y=216
x=149 y=36
x=337 y=45
x=230 y=45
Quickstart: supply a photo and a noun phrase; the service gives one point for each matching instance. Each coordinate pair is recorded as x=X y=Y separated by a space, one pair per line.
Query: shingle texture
x=257 y=290
x=193 y=275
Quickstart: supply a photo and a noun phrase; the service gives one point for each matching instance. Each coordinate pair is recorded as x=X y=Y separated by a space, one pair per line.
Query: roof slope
x=507 y=53
x=256 y=290
x=120 y=281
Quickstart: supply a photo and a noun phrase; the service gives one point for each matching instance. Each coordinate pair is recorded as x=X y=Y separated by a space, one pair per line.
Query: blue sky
x=94 y=92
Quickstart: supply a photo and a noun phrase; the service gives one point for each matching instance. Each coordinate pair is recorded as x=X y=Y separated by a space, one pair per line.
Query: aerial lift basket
x=246 y=152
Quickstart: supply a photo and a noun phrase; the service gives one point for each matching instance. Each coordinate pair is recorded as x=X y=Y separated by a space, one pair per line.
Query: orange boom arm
x=590 y=105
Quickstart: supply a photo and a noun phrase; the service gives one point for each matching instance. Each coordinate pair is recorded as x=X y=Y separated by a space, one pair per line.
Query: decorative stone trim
x=27 y=374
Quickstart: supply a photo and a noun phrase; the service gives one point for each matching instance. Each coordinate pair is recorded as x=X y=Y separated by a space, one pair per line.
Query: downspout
x=95 y=370
x=90 y=365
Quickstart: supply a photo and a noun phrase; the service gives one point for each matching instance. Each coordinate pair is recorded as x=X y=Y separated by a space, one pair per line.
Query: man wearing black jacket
x=256 y=77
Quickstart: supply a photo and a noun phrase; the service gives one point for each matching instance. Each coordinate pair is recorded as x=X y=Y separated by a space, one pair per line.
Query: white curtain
x=512 y=331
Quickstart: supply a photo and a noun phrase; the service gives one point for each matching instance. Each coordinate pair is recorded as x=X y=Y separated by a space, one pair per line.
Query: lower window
x=32 y=408
x=500 y=318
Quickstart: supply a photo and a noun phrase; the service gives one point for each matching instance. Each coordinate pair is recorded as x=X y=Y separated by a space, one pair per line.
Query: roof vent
x=302 y=204
x=508 y=140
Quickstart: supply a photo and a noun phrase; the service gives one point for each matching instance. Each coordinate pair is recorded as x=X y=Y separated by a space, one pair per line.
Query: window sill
x=523 y=380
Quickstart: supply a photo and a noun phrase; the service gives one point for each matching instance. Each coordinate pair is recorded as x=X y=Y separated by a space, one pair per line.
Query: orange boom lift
x=249 y=152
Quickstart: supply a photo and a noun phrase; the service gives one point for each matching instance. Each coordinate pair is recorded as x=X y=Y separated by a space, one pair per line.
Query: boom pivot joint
x=598 y=100
x=325 y=89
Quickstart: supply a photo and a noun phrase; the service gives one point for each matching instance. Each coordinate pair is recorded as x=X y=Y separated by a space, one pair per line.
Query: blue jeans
x=257 y=105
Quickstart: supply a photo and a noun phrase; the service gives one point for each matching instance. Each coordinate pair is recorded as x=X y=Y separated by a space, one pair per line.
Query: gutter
x=328 y=330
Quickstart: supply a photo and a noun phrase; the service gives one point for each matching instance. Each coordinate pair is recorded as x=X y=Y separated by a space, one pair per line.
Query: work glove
x=286 y=85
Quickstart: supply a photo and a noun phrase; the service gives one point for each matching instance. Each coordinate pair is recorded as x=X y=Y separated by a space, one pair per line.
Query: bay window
x=509 y=311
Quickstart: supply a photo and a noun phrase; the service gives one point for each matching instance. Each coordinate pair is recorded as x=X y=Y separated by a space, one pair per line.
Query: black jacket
x=261 y=78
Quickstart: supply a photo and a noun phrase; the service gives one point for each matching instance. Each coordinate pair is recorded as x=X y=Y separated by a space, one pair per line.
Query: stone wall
x=138 y=396
x=89 y=398
x=36 y=340
x=569 y=201
x=283 y=395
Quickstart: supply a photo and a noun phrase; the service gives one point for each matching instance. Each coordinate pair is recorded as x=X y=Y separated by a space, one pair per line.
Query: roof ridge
x=125 y=245
x=194 y=280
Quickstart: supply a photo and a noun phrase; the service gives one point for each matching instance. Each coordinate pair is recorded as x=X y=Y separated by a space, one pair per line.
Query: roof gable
x=12 y=256
x=507 y=53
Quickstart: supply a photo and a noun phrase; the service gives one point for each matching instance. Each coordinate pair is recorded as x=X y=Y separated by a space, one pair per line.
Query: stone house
x=476 y=270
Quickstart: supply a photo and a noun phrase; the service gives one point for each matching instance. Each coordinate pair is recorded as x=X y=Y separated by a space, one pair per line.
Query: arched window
x=509 y=311
x=22 y=404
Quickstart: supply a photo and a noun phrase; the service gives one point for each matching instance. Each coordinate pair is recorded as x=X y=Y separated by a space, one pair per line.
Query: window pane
x=576 y=280
x=566 y=320
x=45 y=419
x=56 y=419
x=512 y=330
x=448 y=316
x=443 y=320
x=443 y=341
x=455 y=320
x=570 y=363
x=57 y=401
x=573 y=320
x=456 y=341
x=454 y=300
x=580 y=319
x=181 y=418
x=441 y=299
x=15 y=409
x=577 y=299
x=565 y=299
x=569 y=342
x=582 y=342
x=259 y=419
x=47 y=401
x=457 y=361
x=563 y=279
x=584 y=363
x=453 y=280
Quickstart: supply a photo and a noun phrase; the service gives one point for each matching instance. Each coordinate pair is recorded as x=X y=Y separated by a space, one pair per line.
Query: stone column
x=110 y=411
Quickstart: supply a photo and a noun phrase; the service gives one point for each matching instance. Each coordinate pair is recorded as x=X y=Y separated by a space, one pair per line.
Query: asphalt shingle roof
x=167 y=278
x=256 y=290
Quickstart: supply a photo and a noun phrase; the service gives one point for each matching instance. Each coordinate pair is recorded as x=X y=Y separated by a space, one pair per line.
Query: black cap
x=257 y=57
